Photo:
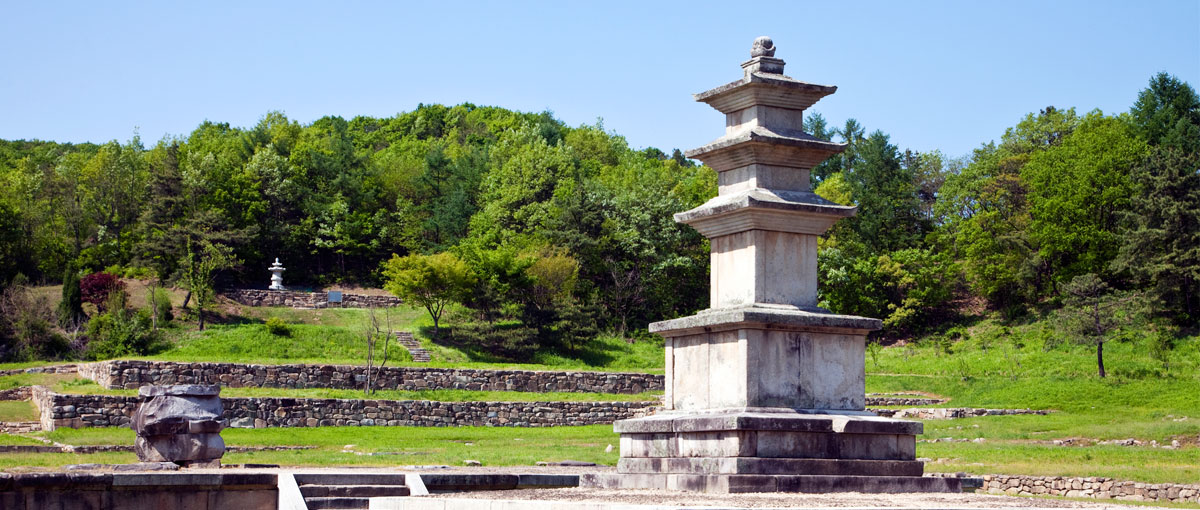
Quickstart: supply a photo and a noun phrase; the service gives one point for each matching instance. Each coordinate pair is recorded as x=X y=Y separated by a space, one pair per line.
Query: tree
x=1167 y=113
x=985 y=213
x=374 y=334
x=97 y=287
x=431 y=281
x=1077 y=191
x=889 y=212
x=1161 y=237
x=70 y=309
x=1093 y=312
x=200 y=271
x=161 y=246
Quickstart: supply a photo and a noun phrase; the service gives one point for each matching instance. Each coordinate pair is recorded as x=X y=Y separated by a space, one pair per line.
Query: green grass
x=1025 y=366
x=335 y=336
x=13 y=462
x=10 y=439
x=1119 y=462
x=18 y=410
x=252 y=343
x=493 y=446
x=8 y=382
x=92 y=436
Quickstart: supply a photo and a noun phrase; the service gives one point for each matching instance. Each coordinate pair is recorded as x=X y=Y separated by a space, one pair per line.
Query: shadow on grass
x=594 y=353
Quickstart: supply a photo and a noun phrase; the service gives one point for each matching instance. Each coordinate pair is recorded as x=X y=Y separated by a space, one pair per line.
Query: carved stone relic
x=180 y=424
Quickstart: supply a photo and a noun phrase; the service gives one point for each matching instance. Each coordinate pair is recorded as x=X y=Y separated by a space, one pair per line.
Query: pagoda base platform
x=770 y=450
x=729 y=484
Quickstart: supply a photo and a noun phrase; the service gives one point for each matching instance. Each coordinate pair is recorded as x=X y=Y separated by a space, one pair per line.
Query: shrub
x=277 y=327
x=27 y=327
x=97 y=287
x=121 y=332
x=160 y=300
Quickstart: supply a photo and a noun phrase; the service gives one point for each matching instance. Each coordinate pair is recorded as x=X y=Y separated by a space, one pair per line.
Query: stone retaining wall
x=134 y=374
x=295 y=299
x=18 y=393
x=51 y=369
x=1100 y=488
x=891 y=400
x=80 y=411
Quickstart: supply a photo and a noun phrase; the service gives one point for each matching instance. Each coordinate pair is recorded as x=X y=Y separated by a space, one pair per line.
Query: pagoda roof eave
x=804 y=202
x=777 y=80
x=761 y=134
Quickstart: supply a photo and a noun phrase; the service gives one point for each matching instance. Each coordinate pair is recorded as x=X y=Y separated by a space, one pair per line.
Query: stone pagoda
x=765 y=390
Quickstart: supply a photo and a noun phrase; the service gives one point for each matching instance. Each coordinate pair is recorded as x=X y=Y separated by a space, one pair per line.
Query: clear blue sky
x=943 y=75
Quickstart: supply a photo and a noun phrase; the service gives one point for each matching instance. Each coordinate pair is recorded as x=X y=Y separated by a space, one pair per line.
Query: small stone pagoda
x=765 y=390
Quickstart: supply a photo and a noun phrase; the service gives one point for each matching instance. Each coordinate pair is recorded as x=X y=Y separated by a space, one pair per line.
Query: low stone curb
x=1098 y=488
x=947 y=413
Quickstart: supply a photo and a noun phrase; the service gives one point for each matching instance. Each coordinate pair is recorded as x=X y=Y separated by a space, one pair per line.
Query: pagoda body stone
x=765 y=391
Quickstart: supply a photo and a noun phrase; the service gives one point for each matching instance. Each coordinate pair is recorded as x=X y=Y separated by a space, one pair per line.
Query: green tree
x=984 y=212
x=1167 y=113
x=889 y=212
x=200 y=271
x=1093 y=313
x=1161 y=238
x=1077 y=191
x=431 y=281
x=70 y=308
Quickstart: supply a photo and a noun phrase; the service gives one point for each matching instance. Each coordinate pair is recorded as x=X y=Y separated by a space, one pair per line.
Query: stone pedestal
x=765 y=391
x=180 y=424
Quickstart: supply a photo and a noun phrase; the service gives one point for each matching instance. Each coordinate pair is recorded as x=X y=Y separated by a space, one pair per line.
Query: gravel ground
x=711 y=501
x=777 y=500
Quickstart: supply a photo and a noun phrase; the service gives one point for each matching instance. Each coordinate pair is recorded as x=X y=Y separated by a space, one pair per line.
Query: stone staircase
x=406 y=339
x=345 y=491
x=19 y=427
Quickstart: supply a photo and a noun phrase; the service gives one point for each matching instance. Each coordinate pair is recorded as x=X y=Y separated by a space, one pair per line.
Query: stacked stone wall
x=82 y=411
x=132 y=374
x=1100 y=488
x=296 y=299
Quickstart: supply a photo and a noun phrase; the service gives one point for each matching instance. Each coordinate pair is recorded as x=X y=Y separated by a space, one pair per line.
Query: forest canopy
x=566 y=230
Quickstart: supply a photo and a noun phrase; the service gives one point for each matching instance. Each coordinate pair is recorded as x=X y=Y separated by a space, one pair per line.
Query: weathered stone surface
x=133 y=374
x=295 y=299
x=765 y=391
x=86 y=491
x=293 y=412
x=1091 y=487
x=179 y=424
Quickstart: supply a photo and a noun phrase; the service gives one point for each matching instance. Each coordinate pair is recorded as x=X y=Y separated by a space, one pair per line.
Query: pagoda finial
x=763 y=47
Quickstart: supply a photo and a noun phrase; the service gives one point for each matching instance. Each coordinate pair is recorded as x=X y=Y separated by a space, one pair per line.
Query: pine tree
x=1162 y=238
x=1167 y=113
x=70 y=309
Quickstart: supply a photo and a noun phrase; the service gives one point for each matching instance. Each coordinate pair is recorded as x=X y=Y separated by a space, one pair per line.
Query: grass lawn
x=1023 y=366
x=18 y=410
x=335 y=336
x=392 y=446
x=11 y=439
